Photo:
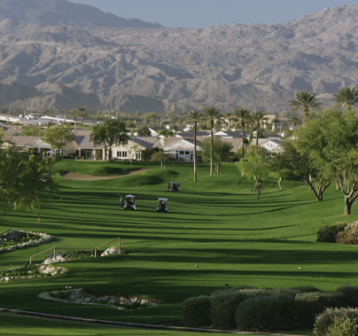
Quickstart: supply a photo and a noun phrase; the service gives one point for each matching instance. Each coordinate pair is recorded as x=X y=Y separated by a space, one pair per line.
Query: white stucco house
x=271 y=146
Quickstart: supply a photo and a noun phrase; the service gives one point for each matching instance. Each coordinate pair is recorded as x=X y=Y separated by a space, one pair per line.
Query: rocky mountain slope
x=157 y=69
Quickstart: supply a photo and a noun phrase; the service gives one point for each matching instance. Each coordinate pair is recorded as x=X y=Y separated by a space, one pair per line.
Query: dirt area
x=84 y=177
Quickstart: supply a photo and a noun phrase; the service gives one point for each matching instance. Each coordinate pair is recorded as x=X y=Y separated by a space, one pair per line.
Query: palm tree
x=211 y=113
x=305 y=101
x=241 y=116
x=195 y=116
x=346 y=97
x=257 y=118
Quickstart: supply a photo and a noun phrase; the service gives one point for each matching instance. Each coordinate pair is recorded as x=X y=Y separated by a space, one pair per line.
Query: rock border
x=78 y=296
x=45 y=238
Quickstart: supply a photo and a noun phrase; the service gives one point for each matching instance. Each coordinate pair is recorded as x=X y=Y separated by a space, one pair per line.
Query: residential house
x=133 y=149
x=271 y=146
x=26 y=144
x=182 y=148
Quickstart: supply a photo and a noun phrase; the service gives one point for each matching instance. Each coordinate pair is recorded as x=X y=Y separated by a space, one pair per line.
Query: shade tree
x=25 y=180
x=108 y=134
x=221 y=151
x=59 y=136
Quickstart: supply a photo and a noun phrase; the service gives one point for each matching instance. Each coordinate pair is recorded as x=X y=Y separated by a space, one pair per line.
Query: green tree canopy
x=143 y=131
x=25 y=180
x=108 y=134
x=59 y=136
x=299 y=163
x=334 y=150
x=31 y=131
x=161 y=157
x=221 y=151
x=254 y=167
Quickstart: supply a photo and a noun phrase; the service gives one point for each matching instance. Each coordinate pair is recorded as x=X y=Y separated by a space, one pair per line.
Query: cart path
x=84 y=177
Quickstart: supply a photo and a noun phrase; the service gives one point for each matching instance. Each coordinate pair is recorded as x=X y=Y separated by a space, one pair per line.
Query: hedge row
x=254 y=309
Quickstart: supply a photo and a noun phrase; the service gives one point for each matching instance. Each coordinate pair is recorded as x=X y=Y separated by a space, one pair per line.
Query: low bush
x=255 y=292
x=223 y=308
x=351 y=292
x=288 y=310
x=308 y=305
x=284 y=291
x=220 y=291
x=306 y=289
x=259 y=313
x=337 y=322
x=349 y=235
x=327 y=234
x=197 y=311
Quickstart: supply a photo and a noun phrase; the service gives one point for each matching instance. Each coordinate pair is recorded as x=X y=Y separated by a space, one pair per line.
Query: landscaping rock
x=16 y=234
x=110 y=251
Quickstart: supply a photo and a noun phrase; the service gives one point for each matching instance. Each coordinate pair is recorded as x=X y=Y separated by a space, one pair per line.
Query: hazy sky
x=208 y=13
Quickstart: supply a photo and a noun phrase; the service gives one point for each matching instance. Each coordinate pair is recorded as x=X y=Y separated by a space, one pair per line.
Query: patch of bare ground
x=84 y=177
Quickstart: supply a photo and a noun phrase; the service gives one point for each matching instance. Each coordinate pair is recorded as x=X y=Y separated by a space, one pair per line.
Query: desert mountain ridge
x=159 y=69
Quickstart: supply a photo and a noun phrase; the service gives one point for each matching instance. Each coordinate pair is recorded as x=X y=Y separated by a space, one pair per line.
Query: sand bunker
x=84 y=177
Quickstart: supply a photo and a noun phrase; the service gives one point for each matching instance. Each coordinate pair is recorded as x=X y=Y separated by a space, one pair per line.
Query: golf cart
x=162 y=205
x=173 y=186
x=130 y=202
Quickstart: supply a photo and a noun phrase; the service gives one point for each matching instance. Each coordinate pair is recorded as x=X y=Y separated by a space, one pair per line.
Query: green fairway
x=30 y=326
x=216 y=224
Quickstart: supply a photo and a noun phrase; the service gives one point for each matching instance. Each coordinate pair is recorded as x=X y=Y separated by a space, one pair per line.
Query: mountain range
x=57 y=54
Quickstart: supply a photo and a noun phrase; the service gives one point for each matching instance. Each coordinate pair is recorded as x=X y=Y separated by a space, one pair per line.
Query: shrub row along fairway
x=216 y=224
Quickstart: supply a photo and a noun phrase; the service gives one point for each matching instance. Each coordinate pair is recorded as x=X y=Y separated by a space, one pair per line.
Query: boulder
x=110 y=251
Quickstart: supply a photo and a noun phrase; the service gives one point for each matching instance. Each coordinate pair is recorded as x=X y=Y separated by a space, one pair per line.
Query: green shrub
x=220 y=291
x=327 y=234
x=197 y=311
x=223 y=308
x=337 y=322
x=349 y=235
x=255 y=292
x=308 y=305
x=306 y=289
x=259 y=313
x=76 y=157
x=351 y=292
x=284 y=291
x=288 y=310
x=82 y=157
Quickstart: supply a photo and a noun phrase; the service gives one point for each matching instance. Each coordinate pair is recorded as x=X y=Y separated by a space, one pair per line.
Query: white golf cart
x=162 y=205
x=130 y=203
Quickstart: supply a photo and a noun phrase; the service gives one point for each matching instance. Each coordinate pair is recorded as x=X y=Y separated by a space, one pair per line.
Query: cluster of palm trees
x=240 y=117
x=306 y=101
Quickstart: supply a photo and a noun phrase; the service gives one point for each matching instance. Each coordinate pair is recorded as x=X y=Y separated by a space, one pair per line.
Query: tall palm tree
x=195 y=116
x=211 y=113
x=305 y=101
x=257 y=118
x=241 y=116
x=346 y=97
